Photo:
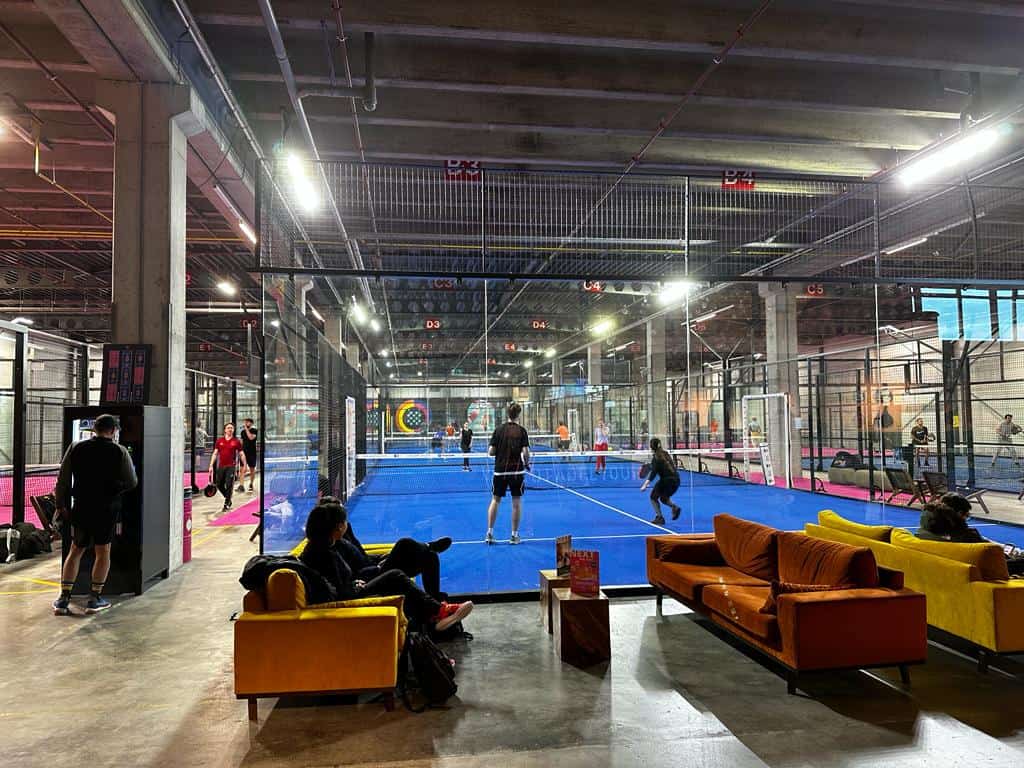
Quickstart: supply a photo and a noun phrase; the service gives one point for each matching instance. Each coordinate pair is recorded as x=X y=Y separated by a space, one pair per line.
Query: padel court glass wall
x=903 y=304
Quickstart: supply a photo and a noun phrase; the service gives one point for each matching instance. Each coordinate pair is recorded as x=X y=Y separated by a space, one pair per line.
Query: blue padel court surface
x=605 y=513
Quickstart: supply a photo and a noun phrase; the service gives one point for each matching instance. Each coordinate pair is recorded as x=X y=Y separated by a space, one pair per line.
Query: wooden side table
x=582 y=636
x=549 y=579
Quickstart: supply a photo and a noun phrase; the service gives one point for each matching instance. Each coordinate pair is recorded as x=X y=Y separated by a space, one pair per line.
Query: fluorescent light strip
x=904 y=246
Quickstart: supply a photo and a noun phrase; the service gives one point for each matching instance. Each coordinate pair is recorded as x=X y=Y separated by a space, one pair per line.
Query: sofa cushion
x=829 y=519
x=687 y=580
x=285 y=591
x=785 y=588
x=748 y=547
x=742 y=605
x=987 y=558
x=807 y=560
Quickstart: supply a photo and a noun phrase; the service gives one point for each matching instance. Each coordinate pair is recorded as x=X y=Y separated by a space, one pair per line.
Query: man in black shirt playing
x=93 y=475
x=249 y=437
x=920 y=437
x=510 y=447
x=466 y=445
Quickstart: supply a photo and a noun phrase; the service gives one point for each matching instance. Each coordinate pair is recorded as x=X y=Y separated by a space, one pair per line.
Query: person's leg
x=492 y=515
x=100 y=569
x=517 y=513
x=404 y=556
x=418 y=604
x=656 y=506
x=70 y=571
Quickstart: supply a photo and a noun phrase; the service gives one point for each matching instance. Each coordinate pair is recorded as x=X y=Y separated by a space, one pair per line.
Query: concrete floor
x=149 y=684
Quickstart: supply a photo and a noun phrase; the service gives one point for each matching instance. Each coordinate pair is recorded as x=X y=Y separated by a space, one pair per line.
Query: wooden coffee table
x=549 y=579
x=582 y=636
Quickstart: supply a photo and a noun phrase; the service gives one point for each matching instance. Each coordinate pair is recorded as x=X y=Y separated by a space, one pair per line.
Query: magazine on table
x=563 y=546
x=584 y=573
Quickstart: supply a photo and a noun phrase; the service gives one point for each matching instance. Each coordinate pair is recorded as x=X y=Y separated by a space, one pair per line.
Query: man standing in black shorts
x=510 y=447
x=93 y=475
x=249 y=437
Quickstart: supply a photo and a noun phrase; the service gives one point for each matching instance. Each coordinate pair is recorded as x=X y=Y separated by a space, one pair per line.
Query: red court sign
x=462 y=170
x=509 y=346
x=432 y=324
x=593 y=286
x=426 y=346
x=814 y=290
x=739 y=180
x=249 y=322
x=443 y=284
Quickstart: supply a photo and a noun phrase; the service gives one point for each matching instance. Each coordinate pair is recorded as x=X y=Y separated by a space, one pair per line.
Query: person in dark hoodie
x=411 y=557
x=946 y=520
x=325 y=527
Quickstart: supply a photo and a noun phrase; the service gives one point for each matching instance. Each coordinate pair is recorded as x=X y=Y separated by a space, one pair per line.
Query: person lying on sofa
x=325 y=527
x=411 y=557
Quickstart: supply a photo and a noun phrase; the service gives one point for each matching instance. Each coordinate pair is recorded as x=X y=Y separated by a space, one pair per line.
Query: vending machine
x=140 y=550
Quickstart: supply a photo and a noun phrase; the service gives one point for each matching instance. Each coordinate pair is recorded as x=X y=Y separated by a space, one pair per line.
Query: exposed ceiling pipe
x=192 y=27
x=277 y=41
x=367 y=94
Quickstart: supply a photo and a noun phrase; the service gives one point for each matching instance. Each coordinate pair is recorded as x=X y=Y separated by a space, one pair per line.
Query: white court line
x=601 y=503
x=574 y=538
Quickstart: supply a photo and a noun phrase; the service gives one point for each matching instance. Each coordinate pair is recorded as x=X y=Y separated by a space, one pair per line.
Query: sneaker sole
x=93 y=611
x=61 y=611
x=464 y=610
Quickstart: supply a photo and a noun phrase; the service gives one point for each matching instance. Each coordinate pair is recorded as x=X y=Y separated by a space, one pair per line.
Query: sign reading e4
x=509 y=346
x=432 y=324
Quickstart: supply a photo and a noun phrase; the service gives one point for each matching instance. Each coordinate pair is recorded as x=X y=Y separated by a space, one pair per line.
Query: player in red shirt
x=227 y=452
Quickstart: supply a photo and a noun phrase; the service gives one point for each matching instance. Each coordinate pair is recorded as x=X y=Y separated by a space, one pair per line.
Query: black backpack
x=455 y=632
x=428 y=669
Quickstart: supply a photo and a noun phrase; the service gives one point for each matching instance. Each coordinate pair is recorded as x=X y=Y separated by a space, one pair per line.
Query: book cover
x=584 y=572
x=563 y=546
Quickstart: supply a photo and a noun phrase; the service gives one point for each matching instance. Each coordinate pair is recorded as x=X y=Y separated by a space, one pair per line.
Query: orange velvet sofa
x=865 y=617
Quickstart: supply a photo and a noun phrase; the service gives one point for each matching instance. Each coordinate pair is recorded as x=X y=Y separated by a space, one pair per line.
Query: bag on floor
x=33 y=541
x=429 y=670
x=455 y=632
x=10 y=539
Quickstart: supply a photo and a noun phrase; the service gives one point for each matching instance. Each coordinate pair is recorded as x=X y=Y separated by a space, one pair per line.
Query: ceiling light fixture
x=904 y=246
x=528 y=364
x=375 y=325
x=301 y=184
x=602 y=327
x=550 y=352
x=674 y=291
x=358 y=313
x=956 y=153
x=227 y=288
x=316 y=314
x=384 y=352
x=276 y=323
x=247 y=231
x=24 y=321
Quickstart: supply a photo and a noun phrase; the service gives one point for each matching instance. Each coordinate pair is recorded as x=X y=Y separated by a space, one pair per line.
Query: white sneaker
x=489 y=539
x=515 y=539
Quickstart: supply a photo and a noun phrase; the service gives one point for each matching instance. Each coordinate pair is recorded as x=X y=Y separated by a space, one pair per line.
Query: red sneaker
x=452 y=613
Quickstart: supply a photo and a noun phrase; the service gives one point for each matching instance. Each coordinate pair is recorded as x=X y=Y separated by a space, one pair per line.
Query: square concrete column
x=594 y=364
x=152 y=122
x=783 y=372
x=334 y=330
x=556 y=373
x=657 y=402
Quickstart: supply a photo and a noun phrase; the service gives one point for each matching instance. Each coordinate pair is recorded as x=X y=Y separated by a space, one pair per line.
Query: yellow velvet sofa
x=284 y=647
x=969 y=592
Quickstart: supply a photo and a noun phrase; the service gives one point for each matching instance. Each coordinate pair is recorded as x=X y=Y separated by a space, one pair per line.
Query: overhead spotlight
x=227 y=288
x=550 y=352
x=384 y=352
x=674 y=291
x=419 y=373
x=247 y=231
x=904 y=246
x=24 y=321
x=358 y=313
x=276 y=323
x=375 y=325
x=391 y=376
x=317 y=315
x=957 y=153
x=505 y=374
x=302 y=185
x=528 y=364
x=388 y=364
x=602 y=327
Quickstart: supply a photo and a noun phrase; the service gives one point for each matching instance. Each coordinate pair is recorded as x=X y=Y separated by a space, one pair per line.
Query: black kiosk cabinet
x=140 y=549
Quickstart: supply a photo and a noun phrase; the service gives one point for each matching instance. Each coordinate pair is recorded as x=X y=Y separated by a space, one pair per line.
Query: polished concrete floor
x=149 y=684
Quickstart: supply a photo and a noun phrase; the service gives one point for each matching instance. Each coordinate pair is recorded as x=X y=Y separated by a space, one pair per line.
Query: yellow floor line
x=44 y=582
x=220 y=530
x=28 y=592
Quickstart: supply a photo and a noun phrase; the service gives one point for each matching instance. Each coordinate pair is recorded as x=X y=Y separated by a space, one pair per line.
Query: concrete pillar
x=783 y=372
x=657 y=403
x=148 y=281
x=556 y=373
x=334 y=330
x=594 y=364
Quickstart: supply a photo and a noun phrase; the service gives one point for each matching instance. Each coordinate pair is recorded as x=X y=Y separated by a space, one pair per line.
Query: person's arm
x=494 y=443
x=62 y=491
x=127 y=479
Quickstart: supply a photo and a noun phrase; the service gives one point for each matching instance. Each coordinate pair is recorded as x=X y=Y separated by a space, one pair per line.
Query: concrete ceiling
x=815 y=88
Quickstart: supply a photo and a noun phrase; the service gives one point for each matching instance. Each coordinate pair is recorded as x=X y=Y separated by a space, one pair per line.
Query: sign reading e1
x=432 y=324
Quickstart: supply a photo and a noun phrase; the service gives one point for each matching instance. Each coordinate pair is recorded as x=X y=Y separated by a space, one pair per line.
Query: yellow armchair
x=284 y=647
